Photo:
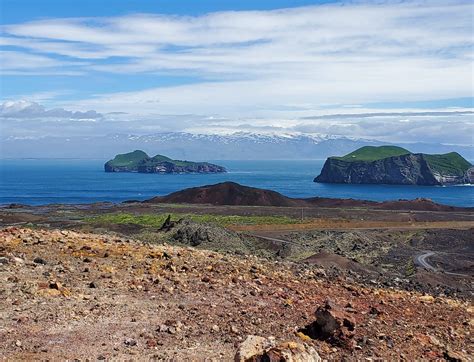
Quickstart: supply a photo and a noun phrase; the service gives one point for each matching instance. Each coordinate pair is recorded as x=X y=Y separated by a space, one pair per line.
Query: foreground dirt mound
x=67 y=295
x=228 y=193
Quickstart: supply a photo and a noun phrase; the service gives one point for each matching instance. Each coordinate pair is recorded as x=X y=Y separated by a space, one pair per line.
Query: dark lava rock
x=332 y=324
x=39 y=260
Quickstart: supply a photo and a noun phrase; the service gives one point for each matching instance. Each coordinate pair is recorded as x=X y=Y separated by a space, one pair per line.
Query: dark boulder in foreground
x=395 y=165
x=333 y=324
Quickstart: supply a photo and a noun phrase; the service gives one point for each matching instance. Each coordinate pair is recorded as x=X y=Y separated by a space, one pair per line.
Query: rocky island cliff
x=397 y=166
x=139 y=161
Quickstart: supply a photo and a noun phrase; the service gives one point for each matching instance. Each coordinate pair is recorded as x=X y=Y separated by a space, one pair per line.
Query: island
x=139 y=161
x=397 y=166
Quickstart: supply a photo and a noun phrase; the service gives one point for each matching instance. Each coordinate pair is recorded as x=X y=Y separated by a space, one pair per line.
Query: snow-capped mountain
x=183 y=145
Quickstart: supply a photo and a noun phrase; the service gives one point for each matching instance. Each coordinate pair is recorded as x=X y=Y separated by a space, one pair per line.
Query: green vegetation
x=448 y=164
x=371 y=153
x=160 y=158
x=156 y=220
x=410 y=268
x=131 y=159
x=139 y=161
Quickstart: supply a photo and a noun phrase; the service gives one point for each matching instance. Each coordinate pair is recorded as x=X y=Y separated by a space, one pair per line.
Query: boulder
x=333 y=324
x=259 y=349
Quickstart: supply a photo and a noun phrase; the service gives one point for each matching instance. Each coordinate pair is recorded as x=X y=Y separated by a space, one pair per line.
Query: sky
x=400 y=71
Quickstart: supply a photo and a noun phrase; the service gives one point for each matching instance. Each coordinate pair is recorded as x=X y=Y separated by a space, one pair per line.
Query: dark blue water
x=83 y=181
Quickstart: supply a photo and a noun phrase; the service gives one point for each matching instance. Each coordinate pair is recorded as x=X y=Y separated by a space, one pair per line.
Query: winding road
x=421 y=260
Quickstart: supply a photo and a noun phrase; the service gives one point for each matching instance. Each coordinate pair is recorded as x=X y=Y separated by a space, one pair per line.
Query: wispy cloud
x=312 y=69
x=32 y=110
x=392 y=114
x=345 y=53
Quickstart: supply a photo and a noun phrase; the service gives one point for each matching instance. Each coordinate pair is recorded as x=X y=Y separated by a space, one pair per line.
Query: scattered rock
x=39 y=260
x=252 y=346
x=374 y=311
x=427 y=298
x=452 y=356
x=55 y=285
x=130 y=342
x=259 y=349
x=332 y=324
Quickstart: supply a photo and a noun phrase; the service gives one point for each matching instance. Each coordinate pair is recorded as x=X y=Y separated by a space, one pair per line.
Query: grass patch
x=450 y=163
x=410 y=268
x=371 y=153
x=156 y=220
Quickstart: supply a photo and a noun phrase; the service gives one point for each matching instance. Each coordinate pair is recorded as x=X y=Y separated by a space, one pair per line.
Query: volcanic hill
x=227 y=193
x=232 y=193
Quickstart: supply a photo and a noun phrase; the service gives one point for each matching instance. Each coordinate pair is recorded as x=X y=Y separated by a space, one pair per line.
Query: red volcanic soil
x=327 y=260
x=227 y=193
x=419 y=204
x=231 y=193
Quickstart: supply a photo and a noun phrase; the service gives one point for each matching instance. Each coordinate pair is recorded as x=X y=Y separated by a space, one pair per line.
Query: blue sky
x=18 y=11
x=25 y=10
x=215 y=66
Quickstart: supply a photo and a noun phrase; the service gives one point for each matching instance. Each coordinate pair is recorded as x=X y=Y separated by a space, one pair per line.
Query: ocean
x=40 y=181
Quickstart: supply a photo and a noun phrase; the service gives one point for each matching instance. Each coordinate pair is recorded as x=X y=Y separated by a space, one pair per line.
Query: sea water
x=39 y=181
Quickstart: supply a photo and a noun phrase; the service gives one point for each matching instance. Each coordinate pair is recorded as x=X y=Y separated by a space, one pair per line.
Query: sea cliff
x=365 y=167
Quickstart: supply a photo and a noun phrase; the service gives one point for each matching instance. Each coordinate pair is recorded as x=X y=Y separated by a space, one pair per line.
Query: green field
x=371 y=153
x=156 y=220
x=450 y=163
x=140 y=158
x=128 y=159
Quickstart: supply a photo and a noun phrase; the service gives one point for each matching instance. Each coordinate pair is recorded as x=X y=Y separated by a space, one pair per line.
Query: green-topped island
x=139 y=161
x=397 y=166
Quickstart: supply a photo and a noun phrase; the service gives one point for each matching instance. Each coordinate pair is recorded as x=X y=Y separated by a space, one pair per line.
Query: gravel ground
x=67 y=295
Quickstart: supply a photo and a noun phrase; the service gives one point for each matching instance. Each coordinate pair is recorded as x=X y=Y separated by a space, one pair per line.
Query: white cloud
x=330 y=43
x=267 y=67
x=31 y=110
x=23 y=118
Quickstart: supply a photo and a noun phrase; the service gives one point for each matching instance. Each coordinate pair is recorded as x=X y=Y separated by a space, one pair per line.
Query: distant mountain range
x=185 y=146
